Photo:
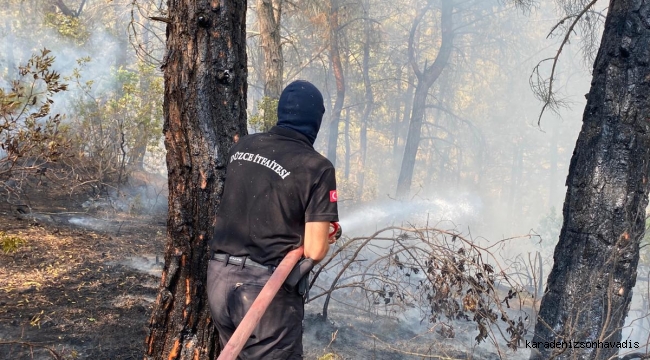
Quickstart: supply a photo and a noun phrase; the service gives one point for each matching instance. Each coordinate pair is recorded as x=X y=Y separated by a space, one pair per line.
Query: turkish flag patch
x=333 y=196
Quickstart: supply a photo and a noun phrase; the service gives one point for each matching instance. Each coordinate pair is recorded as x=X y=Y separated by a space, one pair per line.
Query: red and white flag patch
x=333 y=196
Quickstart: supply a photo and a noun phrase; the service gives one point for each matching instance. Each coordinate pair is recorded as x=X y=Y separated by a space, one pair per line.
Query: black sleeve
x=323 y=199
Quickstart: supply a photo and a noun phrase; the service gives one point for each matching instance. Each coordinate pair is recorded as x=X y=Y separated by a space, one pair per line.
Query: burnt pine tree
x=590 y=287
x=205 y=107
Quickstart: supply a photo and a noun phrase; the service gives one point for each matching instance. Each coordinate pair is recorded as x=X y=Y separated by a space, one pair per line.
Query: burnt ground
x=68 y=289
x=82 y=283
x=71 y=289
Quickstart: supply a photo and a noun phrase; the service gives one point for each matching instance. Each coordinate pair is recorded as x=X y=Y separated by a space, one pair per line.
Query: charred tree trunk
x=337 y=67
x=269 y=14
x=205 y=107
x=426 y=78
x=590 y=287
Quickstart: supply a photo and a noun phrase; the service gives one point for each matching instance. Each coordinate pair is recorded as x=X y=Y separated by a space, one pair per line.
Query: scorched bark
x=590 y=287
x=205 y=107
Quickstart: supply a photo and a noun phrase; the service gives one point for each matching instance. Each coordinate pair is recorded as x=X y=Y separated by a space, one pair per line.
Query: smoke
x=147 y=263
x=17 y=46
x=91 y=223
x=88 y=52
x=450 y=210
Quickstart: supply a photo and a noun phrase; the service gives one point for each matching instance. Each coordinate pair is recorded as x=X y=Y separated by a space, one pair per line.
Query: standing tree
x=205 y=107
x=590 y=287
x=269 y=14
x=426 y=78
x=369 y=100
x=337 y=67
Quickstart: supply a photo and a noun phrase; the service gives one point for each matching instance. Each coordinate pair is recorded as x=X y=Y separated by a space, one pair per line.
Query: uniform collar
x=291 y=134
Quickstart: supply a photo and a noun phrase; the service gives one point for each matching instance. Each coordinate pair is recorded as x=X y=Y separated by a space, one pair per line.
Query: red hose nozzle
x=335 y=230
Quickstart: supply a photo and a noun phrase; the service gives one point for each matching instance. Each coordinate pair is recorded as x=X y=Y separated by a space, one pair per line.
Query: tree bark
x=121 y=35
x=426 y=79
x=348 y=154
x=590 y=286
x=397 y=107
x=369 y=101
x=269 y=14
x=11 y=59
x=337 y=67
x=65 y=10
x=204 y=108
x=401 y=127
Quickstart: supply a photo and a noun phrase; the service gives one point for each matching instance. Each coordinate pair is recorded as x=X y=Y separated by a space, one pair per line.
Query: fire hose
x=263 y=300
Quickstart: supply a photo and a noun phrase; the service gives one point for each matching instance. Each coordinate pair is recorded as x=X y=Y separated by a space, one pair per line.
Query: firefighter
x=279 y=194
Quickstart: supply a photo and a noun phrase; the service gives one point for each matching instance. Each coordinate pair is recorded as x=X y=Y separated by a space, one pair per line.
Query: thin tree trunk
x=121 y=35
x=205 y=107
x=337 y=67
x=11 y=59
x=408 y=105
x=347 y=144
x=590 y=286
x=426 y=79
x=269 y=14
x=65 y=10
x=398 y=106
x=369 y=100
x=514 y=186
x=552 y=191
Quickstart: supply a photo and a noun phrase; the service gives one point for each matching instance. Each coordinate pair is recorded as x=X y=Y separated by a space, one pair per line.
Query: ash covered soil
x=82 y=286
x=73 y=292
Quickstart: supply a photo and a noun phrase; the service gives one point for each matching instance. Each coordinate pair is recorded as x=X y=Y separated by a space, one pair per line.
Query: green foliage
x=26 y=128
x=118 y=119
x=68 y=26
x=137 y=206
x=10 y=243
x=267 y=115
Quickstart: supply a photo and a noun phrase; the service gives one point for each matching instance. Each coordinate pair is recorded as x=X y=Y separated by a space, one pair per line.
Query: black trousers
x=231 y=292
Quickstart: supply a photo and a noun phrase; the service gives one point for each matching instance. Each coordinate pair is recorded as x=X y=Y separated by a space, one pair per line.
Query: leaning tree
x=205 y=107
x=590 y=287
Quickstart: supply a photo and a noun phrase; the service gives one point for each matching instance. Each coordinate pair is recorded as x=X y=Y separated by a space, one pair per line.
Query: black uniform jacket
x=275 y=183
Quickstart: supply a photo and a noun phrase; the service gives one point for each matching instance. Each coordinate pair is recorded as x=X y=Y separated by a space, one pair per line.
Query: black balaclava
x=301 y=109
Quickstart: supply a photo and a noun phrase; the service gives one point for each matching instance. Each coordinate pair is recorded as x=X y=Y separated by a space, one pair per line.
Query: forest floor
x=77 y=287
x=81 y=286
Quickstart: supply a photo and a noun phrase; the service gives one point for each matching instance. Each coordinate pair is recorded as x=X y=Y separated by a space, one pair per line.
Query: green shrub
x=10 y=243
x=267 y=115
